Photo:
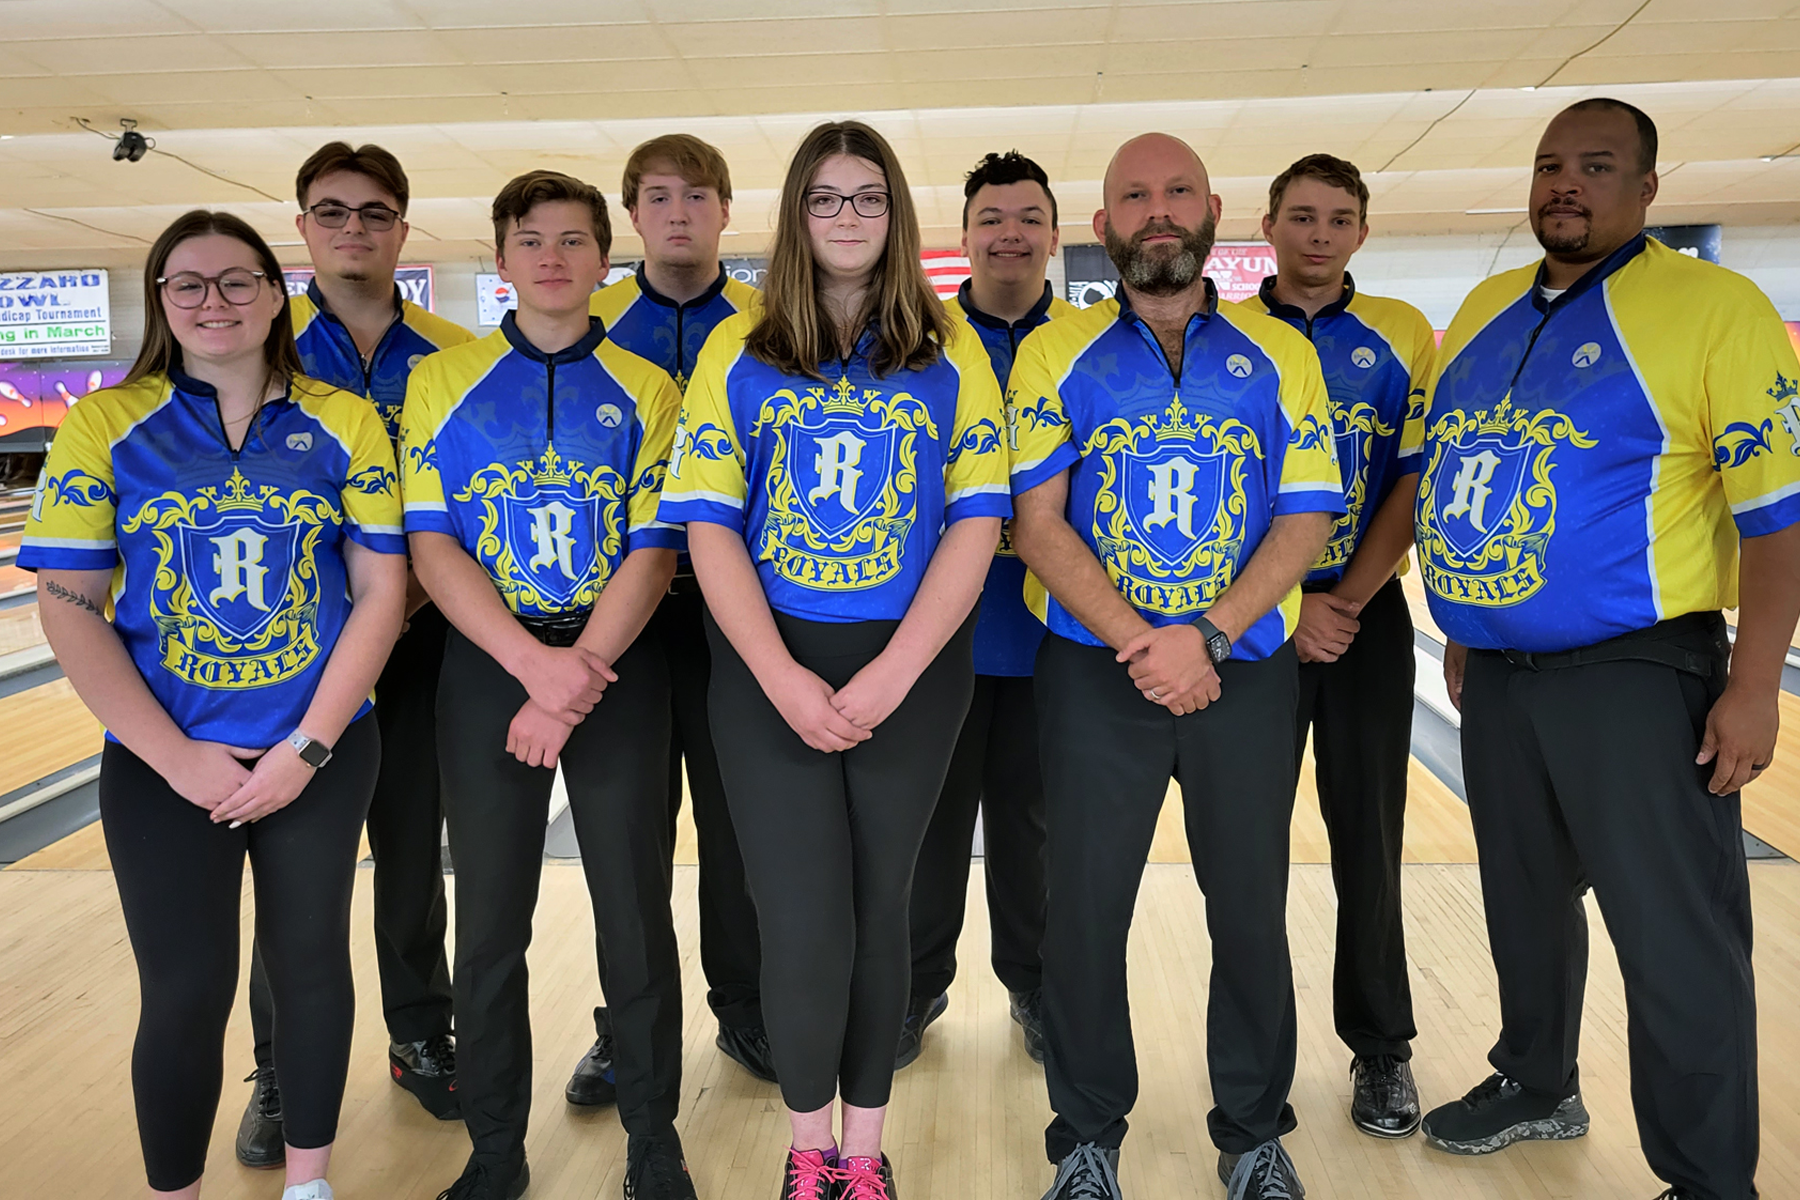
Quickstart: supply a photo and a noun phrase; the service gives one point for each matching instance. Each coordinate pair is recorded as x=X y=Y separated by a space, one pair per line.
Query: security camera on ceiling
x=130 y=147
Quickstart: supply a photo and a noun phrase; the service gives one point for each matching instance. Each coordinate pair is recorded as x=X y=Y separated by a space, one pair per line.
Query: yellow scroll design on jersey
x=1363 y=420
x=191 y=644
x=868 y=553
x=1508 y=566
x=1206 y=568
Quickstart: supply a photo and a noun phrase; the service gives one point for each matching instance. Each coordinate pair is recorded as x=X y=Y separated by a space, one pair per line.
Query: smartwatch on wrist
x=1218 y=646
x=313 y=754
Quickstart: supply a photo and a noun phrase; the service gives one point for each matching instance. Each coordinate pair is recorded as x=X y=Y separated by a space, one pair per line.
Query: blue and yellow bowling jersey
x=229 y=589
x=841 y=490
x=329 y=353
x=1377 y=356
x=664 y=331
x=545 y=467
x=1174 y=480
x=1591 y=463
x=1006 y=632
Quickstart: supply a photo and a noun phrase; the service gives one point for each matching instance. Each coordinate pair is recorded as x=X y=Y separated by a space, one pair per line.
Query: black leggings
x=180 y=878
x=829 y=843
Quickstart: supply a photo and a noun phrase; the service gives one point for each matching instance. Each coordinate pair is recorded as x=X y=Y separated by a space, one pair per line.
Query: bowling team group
x=857 y=565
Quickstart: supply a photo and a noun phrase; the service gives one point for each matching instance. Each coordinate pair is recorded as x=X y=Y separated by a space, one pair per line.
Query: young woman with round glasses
x=842 y=475
x=242 y=524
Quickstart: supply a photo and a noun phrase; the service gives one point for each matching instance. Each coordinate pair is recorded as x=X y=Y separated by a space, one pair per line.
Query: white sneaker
x=314 y=1189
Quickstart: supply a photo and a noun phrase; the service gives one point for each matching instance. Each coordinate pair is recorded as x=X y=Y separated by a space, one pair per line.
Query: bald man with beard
x=1174 y=477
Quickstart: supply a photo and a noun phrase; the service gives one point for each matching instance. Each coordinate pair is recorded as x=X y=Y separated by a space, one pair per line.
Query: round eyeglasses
x=376 y=218
x=826 y=205
x=187 y=289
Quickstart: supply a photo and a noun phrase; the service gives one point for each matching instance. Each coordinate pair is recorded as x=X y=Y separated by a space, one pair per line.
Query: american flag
x=946 y=269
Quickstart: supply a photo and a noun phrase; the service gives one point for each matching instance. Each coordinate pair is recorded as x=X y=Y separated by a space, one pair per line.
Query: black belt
x=1656 y=644
x=685 y=585
x=559 y=630
x=1319 y=585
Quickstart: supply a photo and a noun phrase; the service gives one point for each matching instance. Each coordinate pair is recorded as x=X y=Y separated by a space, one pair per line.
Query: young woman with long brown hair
x=243 y=523
x=841 y=471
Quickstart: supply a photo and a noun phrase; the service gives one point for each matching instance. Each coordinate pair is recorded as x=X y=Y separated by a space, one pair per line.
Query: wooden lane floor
x=42 y=730
x=966 y=1119
x=20 y=628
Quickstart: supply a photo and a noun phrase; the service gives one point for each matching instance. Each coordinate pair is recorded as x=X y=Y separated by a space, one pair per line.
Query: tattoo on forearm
x=76 y=598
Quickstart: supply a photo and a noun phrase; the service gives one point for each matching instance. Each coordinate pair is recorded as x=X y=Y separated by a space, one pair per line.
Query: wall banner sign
x=414 y=283
x=54 y=314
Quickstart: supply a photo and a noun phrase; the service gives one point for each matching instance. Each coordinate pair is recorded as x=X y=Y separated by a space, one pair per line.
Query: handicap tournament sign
x=54 y=314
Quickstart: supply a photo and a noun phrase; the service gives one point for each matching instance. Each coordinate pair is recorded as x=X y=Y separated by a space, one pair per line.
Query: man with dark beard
x=1611 y=458
x=1174 y=476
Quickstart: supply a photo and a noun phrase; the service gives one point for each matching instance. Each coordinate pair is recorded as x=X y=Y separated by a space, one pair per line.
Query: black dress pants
x=730 y=947
x=1584 y=776
x=1359 y=709
x=829 y=841
x=616 y=767
x=405 y=839
x=994 y=770
x=1109 y=754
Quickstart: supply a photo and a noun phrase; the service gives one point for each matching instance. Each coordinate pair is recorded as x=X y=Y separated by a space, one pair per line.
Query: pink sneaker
x=811 y=1175
x=867 y=1179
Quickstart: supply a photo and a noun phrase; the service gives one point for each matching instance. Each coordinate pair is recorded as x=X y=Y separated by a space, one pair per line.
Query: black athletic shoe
x=592 y=1083
x=919 y=1016
x=1027 y=1009
x=1500 y=1111
x=1266 y=1173
x=655 y=1169
x=749 y=1049
x=259 y=1141
x=483 y=1180
x=1384 y=1100
x=1088 y=1172
x=1674 y=1194
x=427 y=1069
x=866 y=1179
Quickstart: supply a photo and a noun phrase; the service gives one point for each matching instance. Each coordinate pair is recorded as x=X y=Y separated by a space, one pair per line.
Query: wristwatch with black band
x=1218 y=646
x=313 y=754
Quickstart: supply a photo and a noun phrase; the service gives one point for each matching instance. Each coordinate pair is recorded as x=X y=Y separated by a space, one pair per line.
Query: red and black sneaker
x=866 y=1179
x=810 y=1175
x=427 y=1069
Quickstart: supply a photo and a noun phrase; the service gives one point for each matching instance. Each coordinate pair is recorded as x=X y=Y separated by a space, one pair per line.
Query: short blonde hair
x=698 y=163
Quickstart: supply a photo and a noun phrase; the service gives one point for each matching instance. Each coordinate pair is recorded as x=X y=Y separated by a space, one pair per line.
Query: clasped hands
x=1171 y=667
x=564 y=683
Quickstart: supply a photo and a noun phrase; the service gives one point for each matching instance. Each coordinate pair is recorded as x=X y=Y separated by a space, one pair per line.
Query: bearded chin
x=1565 y=243
x=1160 y=270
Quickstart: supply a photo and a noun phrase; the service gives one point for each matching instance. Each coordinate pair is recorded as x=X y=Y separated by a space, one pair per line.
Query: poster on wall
x=414 y=283
x=54 y=314
x=1695 y=241
x=1237 y=269
x=34 y=398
